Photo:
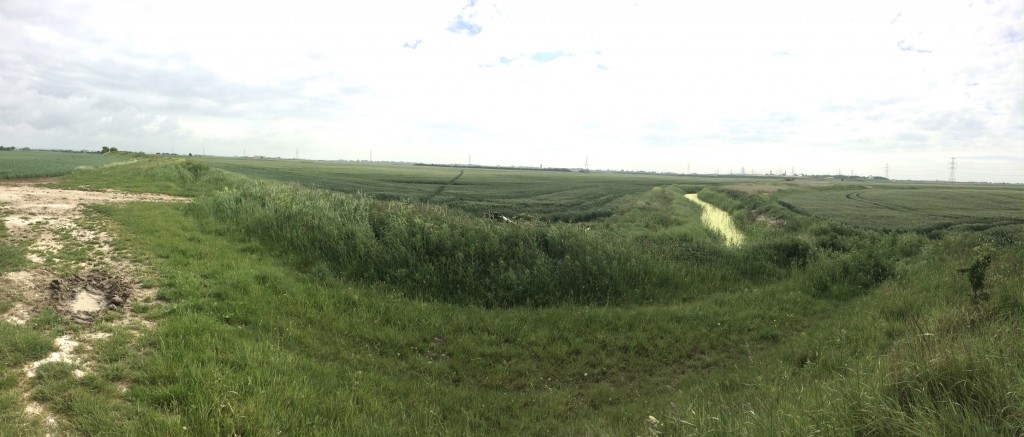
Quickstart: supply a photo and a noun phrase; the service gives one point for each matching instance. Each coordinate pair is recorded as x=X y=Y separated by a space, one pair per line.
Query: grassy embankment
x=302 y=311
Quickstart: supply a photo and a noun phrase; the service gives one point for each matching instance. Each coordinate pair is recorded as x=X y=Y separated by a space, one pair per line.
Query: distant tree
x=105 y=149
x=113 y=149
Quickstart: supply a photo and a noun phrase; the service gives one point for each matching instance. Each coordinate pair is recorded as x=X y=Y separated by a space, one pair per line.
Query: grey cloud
x=911 y=137
x=938 y=121
x=992 y=158
x=174 y=85
x=772 y=128
x=65 y=16
x=52 y=91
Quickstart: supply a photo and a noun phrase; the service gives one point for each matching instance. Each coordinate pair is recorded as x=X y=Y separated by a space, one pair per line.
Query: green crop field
x=322 y=298
x=920 y=207
x=558 y=195
x=20 y=164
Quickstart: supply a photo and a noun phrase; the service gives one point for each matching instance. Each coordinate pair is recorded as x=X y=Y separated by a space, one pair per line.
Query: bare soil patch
x=51 y=223
x=75 y=271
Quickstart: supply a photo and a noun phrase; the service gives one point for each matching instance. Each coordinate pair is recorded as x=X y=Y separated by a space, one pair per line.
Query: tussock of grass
x=21 y=345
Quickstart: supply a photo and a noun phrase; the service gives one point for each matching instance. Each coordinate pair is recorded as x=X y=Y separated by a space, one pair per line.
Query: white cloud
x=641 y=85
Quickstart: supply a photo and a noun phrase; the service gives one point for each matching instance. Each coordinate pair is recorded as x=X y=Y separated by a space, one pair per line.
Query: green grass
x=174 y=176
x=813 y=327
x=433 y=252
x=254 y=346
x=916 y=208
x=20 y=164
x=18 y=347
x=525 y=194
x=12 y=257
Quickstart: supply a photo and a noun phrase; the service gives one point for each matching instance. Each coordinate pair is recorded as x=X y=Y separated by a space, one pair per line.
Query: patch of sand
x=49 y=217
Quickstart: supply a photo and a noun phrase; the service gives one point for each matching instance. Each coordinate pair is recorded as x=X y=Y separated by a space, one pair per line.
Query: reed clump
x=430 y=251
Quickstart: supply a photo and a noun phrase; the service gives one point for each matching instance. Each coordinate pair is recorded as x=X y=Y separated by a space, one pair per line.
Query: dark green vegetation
x=917 y=207
x=19 y=164
x=300 y=311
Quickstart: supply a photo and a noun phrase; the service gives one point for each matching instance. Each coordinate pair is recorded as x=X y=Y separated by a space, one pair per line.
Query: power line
x=952 y=169
x=887 y=170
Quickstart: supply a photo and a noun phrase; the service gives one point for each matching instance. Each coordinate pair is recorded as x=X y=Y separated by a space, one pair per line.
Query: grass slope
x=812 y=327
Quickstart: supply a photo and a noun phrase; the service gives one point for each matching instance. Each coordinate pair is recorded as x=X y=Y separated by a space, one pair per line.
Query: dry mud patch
x=74 y=272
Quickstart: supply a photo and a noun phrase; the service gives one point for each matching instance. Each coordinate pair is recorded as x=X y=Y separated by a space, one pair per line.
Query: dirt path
x=719 y=221
x=73 y=271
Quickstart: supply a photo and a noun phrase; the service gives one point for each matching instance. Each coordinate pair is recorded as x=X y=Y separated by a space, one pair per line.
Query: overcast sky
x=711 y=86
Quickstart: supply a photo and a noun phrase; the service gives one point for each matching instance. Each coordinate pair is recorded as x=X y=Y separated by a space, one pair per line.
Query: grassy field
x=916 y=208
x=21 y=164
x=286 y=309
x=550 y=195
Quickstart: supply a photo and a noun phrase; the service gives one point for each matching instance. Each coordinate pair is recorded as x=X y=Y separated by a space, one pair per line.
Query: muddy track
x=73 y=271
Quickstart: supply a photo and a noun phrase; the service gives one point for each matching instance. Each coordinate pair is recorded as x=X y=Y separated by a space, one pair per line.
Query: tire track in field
x=441 y=188
x=857 y=196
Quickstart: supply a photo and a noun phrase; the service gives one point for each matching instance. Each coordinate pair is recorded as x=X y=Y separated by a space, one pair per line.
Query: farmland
x=356 y=299
x=18 y=164
x=558 y=195
x=917 y=208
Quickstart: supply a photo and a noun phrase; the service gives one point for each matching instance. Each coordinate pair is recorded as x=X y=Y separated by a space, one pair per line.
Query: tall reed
x=432 y=252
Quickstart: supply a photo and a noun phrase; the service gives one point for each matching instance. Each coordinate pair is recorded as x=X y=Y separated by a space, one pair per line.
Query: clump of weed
x=976 y=272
